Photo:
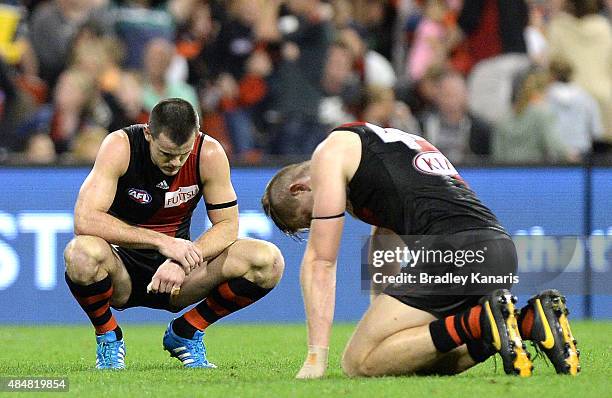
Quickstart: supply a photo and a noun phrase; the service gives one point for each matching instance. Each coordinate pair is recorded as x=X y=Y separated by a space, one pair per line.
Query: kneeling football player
x=402 y=185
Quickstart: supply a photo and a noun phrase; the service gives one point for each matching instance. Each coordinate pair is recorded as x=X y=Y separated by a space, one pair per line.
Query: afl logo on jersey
x=139 y=196
x=433 y=162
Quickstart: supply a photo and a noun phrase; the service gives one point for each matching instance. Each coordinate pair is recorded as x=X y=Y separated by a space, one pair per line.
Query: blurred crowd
x=514 y=80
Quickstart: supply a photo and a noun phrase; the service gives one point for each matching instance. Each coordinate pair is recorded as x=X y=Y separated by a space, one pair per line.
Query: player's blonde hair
x=279 y=204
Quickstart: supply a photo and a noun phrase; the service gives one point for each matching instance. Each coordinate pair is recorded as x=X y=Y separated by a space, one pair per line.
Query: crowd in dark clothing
x=494 y=78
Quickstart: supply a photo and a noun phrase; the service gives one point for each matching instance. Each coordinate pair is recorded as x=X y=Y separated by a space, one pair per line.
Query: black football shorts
x=141 y=265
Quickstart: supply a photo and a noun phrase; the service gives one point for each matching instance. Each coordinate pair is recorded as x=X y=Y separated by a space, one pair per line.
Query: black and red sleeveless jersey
x=148 y=198
x=405 y=184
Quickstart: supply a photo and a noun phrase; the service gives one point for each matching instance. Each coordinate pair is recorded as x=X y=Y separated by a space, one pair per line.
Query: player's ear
x=147 y=133
x=298 y=187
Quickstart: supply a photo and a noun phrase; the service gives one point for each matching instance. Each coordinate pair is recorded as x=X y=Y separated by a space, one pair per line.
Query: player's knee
x=83 y=256
x=353 y=367
x=268 y=263
x=350 y=365
x=354 y=364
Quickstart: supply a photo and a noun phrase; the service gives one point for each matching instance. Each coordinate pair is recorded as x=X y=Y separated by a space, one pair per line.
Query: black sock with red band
x=455 y=330
x=228 y=297
x=95 y=301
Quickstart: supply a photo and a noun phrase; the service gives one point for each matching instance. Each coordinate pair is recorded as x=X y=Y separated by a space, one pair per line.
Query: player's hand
x=182 y=251
x=167 y=279
x=315 y=364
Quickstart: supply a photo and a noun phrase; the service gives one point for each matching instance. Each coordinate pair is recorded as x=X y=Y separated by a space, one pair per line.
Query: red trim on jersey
x=367 y=215
x=169 y=220
x=426 y=145
x=352 y=124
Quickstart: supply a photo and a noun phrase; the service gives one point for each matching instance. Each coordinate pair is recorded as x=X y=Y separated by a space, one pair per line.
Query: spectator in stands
x=492 y=27
x=584 y=38
x=420 y=96
x=341 y=88
x=303 y=37
x=262 y=72
x=53 y=27
x=86 y=145
x=428 y=45
x=528 y=134
x=158 y=57
x=577 y=113
x=381 y=108
x=607 y=10
x=77 y=106
x=126 y=102
x=451 y=127
x=137 y=22
x=17 y=110
x=195 y=43
x=239 y=100
x=373 y=68
x=236 y=40
x=8 y=94
x=535 y=32
x=490 y=85
x=16 y=48
x=377 y=18
x=344 y=15
x=242 y=69
x=98 y=54
x=541 y=12
x=40 y=149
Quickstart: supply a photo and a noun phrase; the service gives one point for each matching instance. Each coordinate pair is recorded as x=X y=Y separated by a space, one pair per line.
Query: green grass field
x=261 y=361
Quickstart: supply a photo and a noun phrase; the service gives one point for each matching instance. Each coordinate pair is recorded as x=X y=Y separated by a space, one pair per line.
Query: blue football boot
x=111 y=352
x=191 y=352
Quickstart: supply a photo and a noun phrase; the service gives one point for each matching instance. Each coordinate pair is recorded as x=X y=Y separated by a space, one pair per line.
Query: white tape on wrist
x=317 y=355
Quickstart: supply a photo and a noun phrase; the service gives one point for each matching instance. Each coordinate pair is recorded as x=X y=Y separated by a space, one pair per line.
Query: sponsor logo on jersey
x=163 y=185
x=183 y=195
x=139 y=196
x=433 y=162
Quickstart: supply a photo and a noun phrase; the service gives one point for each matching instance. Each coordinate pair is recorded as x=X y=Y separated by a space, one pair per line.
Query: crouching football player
x=402 y=185
x=132 y=245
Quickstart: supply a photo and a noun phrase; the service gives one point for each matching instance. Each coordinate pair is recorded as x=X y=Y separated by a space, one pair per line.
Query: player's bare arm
x=96 y=196
x=330 y=169
x=220 y=201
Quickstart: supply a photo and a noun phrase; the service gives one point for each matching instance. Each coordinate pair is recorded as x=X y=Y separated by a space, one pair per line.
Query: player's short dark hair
x=174 y=117
x=278 y=203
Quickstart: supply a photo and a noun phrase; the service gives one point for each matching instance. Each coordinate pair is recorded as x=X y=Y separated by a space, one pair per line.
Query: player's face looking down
x=166 y=155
